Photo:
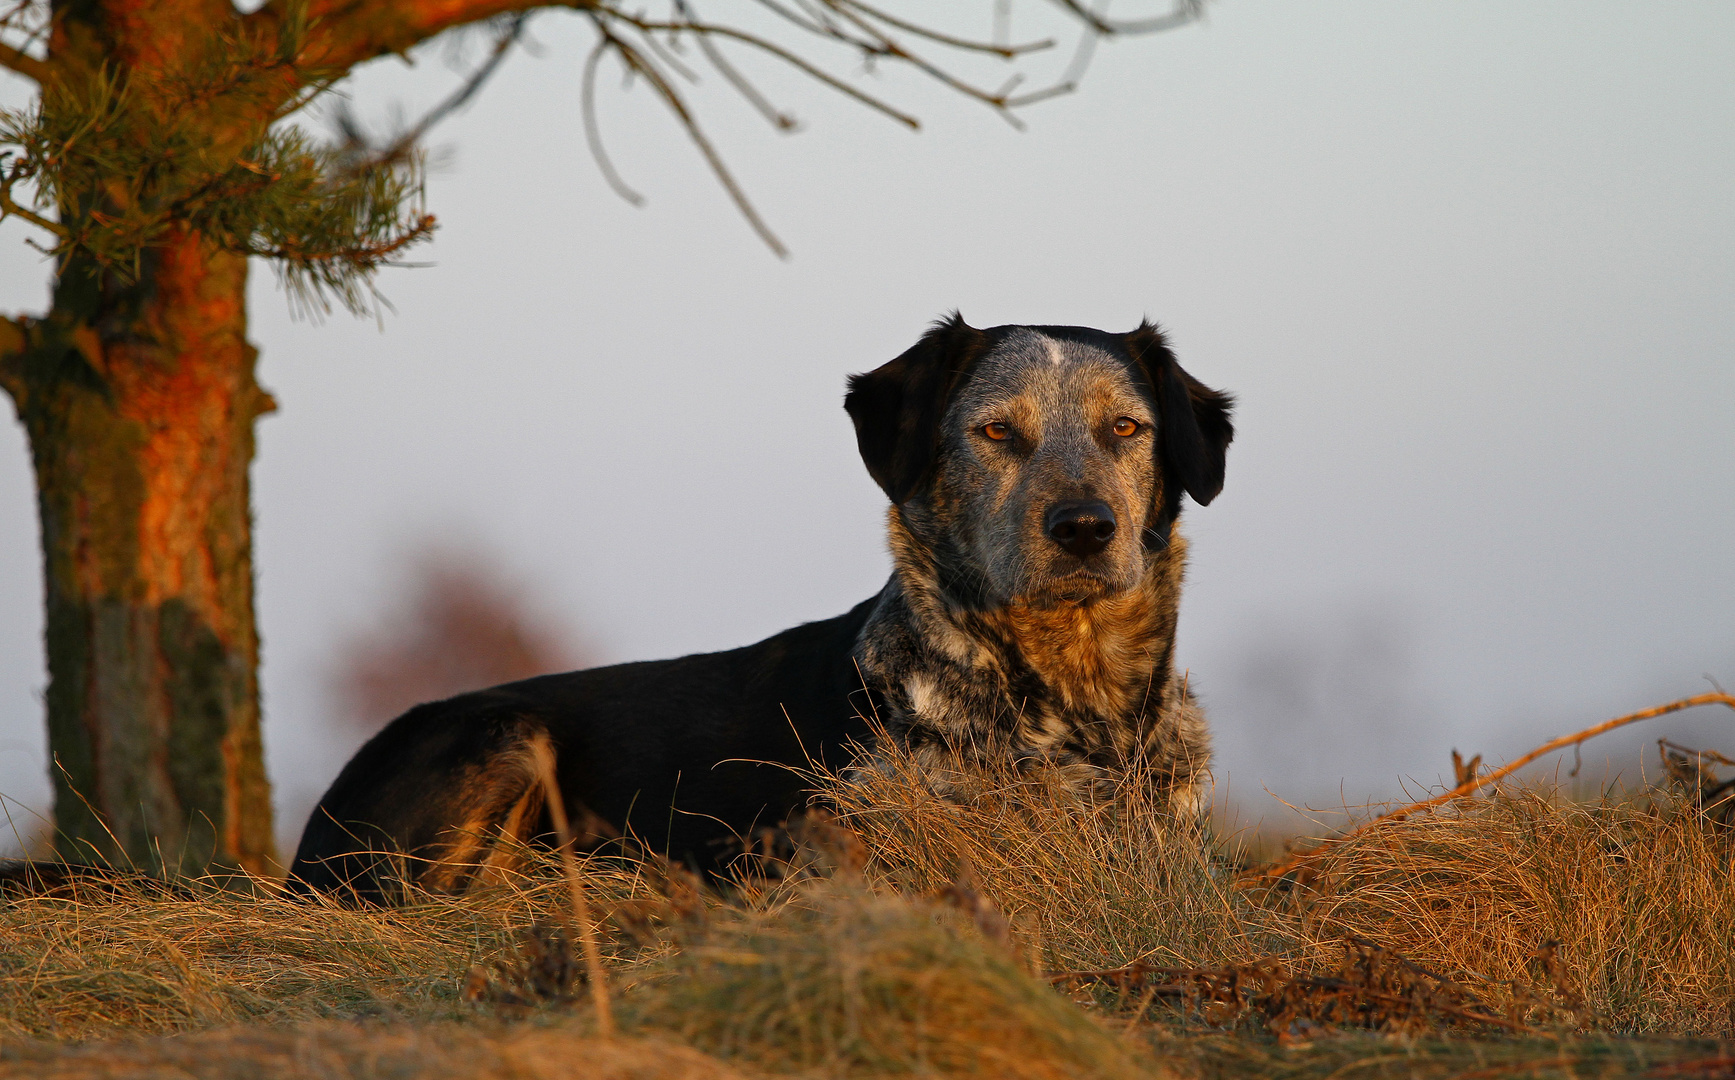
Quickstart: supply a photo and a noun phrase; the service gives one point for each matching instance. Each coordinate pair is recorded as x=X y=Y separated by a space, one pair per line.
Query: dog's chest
x=1058 y=682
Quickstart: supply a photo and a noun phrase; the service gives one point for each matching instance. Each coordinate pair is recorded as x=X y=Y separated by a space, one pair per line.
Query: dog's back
x=691 y=755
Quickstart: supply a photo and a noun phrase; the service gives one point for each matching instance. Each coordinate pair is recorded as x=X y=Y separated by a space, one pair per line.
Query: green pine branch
x=205 y=149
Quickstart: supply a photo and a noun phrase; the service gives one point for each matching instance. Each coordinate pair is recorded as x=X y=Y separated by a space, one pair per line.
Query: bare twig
x=24 y=64
x=406 y=142
x=1184 y=11
x=593 y=133
x=782 y=54
x=887 y=46
x=998 y=49
x=812 y=26
x=1665 y=745
x=1474 y=784
x=544 y=756
x=777 y=118
x=638 y=62
x=9 y=207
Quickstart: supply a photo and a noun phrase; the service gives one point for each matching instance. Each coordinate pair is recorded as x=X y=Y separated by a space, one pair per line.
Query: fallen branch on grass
x=1299 y=859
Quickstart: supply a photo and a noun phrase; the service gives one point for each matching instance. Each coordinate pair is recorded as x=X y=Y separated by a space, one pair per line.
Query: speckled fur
x=990 y=641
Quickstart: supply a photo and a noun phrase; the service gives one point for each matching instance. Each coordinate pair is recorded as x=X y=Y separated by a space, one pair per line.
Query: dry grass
x=914 y=935
x=1639 y=894
x=1083 y=883
x=127 y=958
x=357 y=1052
x=838 y=982
x=810 y=975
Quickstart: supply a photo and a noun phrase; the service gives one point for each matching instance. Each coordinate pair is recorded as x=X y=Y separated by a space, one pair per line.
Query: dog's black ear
x=1195 y=430
x=897 y=407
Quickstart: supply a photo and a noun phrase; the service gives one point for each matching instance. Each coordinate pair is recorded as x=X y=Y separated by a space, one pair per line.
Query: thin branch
x=667 y=56
x=9 y=207
x=1474 y=784
x=1006 y=51
x=774 y=116
x=14 y=340
x=1665 y=745
x=782 y=54
x=26 y=65
x=777 y=118
x=593 y=133
x=1185 y=11
x=1075 y=69
x=889 y=47
x=342 y=33
x=403 y=144
x=672 y=97
x=513 y=32
x=816 y=10
x=812 y=26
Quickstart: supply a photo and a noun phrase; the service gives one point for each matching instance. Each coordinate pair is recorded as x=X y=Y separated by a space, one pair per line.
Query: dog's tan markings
x=502 y=806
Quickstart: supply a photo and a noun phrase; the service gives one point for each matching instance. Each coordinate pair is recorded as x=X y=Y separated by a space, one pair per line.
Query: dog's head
x=1045 y=459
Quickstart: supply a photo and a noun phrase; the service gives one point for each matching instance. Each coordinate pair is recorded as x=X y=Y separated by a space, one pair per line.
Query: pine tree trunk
x=139 y=402
x=137 y=393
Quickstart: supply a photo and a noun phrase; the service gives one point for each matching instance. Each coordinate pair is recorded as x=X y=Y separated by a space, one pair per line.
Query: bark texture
x=139 y=404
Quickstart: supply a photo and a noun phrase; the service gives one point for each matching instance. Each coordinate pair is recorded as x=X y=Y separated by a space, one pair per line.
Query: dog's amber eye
x=997 y=431
x=1126 y=427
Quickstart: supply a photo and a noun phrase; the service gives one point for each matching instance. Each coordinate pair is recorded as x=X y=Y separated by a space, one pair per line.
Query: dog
x=1035 y=476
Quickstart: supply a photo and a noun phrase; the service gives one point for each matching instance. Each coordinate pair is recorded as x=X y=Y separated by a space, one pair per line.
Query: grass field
x=1013 y=931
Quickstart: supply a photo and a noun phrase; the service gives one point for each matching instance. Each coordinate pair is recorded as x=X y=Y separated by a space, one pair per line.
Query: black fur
x=896 y=408
x=1196 y=427
x=669 y=750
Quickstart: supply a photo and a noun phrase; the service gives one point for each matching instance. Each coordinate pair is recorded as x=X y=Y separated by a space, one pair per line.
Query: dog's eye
x=997 y=430
x=1126 y=427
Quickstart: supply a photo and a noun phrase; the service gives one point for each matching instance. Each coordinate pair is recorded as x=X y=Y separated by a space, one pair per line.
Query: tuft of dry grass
x=1639 y=895
x=1617 y=915
x=840 y=982
x=127 y=957
x=1083 y=882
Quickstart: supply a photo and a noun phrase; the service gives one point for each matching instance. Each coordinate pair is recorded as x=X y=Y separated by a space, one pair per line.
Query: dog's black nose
x=1083 y=527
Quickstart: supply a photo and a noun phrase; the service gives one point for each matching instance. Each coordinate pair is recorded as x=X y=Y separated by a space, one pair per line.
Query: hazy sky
x=1469 y=267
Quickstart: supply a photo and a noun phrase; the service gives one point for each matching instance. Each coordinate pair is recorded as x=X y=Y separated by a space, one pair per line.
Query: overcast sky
x=1470 y=269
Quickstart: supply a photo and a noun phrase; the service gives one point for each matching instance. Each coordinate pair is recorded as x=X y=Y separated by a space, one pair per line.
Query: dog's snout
x=1083 y=527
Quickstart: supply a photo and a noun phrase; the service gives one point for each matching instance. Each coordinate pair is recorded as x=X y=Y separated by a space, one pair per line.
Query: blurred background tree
x=159 y=157
x=459 y=624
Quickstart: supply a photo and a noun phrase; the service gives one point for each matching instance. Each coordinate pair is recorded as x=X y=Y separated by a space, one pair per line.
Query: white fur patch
x=924 y=699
